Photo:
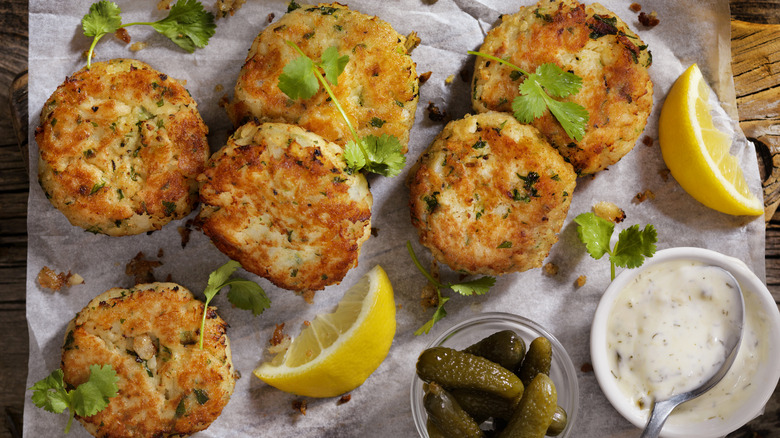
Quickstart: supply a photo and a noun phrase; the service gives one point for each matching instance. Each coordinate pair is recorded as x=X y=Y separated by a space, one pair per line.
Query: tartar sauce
x=667 y=333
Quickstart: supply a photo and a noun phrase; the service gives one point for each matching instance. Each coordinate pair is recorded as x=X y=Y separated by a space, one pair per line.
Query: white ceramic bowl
x=478 y=327
x=763 y=382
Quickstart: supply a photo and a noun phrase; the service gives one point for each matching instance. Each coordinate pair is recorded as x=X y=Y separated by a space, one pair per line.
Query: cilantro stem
x=70 y=420
x=497 y=59
x=335 y=101
x=422 y=270
x=92 y=49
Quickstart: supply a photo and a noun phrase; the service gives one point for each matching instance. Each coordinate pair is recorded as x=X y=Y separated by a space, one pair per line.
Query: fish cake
x=378 y=89
x=594 y=44
x=121 y=145
x=279 y=200
x=489 y=195
x=167 y=385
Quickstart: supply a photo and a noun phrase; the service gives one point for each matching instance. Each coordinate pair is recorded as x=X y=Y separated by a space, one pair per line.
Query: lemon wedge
x=697 y=153
x=338 y=351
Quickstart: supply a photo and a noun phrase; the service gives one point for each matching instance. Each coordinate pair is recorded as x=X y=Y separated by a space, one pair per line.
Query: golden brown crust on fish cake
x=278 y=200
x=149 y=335
x=120 y=147
x=490 y=195
x=594 y=44
x=378 y=88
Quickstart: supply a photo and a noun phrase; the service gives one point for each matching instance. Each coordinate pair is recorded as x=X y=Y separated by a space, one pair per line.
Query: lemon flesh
x=697 y=153
x=338 y=351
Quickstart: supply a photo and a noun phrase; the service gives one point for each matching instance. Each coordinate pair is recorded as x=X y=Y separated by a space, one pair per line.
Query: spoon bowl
x=662 y=408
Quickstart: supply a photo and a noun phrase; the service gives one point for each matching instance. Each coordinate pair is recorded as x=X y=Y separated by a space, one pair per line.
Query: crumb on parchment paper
x=609 y=211
x=279 y=341
x=344 y=399
x=300 y=406
x=224 y=8
x=551 y=269
x=649 y=20
x=435 y=114
x=644 y=196
x=581 y=280
x=141 y=269
x=50 y=279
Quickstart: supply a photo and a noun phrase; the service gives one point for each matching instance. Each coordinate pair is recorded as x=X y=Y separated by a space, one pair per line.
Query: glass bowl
x=762 y=318
x=479 y=327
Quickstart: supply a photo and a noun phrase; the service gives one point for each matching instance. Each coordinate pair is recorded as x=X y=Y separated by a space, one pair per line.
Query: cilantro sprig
x=633 y=245
x=187 y=24
x=244 y=294
x=301 y=79
x=478 y=286
x=85 y=400
x=537 y=92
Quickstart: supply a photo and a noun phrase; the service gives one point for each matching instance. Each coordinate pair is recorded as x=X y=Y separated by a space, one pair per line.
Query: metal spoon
x=662 y=408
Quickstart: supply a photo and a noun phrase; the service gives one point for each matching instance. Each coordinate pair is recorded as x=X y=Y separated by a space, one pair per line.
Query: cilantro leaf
x=333 y=64
x=438 y=315
x=478 y=286
x=297 y=80
x=557 y=82
x=49 y=393
x=248 y=295
x=103 y=18
x=354 y=156
x=85 y=400
x=631 y=249
x=530 y=104
x=219 y=277
x=187 y=25
x=571 y=115
x=244 y=294
x=301 y=79
x=633 y=246
x=384 y=155
x=537 y=92
x=595 y=233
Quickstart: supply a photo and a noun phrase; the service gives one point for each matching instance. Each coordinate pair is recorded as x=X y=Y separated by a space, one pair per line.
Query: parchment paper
x=689 y=32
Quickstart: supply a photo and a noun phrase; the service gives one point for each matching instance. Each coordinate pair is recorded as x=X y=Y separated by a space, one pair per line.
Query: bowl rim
x=568 y=370
x=598 y=349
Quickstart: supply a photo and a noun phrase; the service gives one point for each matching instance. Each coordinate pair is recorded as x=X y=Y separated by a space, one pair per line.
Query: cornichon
x=537 y=361
x=433 y=431
x=505 y=348
x=481 y=405
x=447 y=416
x=535 y=412
x=559 y=421
x=456 y=369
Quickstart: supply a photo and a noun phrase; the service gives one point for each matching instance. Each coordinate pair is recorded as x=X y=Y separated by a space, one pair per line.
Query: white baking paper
x=688 y=32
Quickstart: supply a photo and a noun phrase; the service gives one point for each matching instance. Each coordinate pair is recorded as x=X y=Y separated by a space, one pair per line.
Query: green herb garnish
x=537 y=92
x=478 y=286
x=631 y=249
x=86 y=400
x=301 y=79
x=244 y=294
x=187 y=24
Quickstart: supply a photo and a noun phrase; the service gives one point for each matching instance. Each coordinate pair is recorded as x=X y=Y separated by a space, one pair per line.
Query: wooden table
x=755 y=44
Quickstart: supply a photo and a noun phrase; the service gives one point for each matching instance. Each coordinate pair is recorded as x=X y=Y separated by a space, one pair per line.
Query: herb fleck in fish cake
x=278 y=199
x=378 y=88
x=490 y=195
x=121 y=145
x=149 y=335
x=594 y=44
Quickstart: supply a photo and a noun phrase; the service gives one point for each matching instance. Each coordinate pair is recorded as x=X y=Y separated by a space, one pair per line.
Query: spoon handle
x=658 y=415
